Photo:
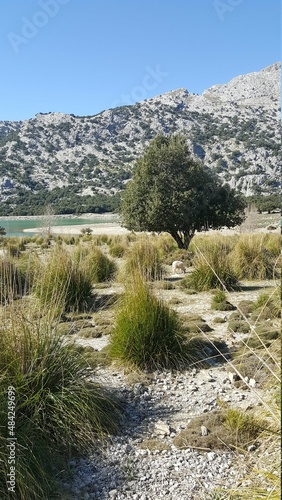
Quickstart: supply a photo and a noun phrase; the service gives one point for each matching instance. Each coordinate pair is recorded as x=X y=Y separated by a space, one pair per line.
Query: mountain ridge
x=234 y=128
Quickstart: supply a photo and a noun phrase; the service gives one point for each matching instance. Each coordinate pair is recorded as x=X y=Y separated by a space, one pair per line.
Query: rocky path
x=143 y=462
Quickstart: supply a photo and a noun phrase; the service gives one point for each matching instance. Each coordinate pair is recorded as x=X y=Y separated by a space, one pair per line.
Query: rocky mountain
x=233 y=128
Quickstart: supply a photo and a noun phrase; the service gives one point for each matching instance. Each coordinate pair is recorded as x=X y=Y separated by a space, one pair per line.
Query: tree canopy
x=171 y=192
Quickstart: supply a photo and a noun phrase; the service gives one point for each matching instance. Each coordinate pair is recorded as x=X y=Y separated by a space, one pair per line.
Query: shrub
x=62 y=285
x=95 y=264
x=250 y=258
x=211 y=269
x=144 y=258
x=59 y=411
x=147 y=333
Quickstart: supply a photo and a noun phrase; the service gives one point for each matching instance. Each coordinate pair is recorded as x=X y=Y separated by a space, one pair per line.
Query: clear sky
x=85 y=56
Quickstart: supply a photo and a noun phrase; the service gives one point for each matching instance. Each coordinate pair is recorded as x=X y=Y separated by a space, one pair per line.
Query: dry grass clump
x=153 y=445
x=118 y=249
x=211 y=267
x=95 y=264
x=62 y=285
x=226 y=428
x=143 y=258
x=13 y=282
x=268 y=304
x=254 y=256
x=164 y=285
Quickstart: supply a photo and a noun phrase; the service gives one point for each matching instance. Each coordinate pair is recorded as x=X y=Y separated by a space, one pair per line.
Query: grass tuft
x=62 y=284
x=144 y=259
x=211 y=268
x=147 y=334
x=95 y=264
x=59 y=411
x=254 y=256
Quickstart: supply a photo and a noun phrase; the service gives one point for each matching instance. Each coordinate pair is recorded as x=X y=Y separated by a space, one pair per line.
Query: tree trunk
x=183 y=239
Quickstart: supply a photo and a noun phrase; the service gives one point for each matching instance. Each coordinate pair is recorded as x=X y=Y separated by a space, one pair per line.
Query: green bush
x=147 y=334
x=59 y=411
x=144 y=259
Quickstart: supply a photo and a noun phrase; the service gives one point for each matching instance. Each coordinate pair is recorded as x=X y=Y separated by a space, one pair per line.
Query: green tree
x=171 y=192
x=2 y=231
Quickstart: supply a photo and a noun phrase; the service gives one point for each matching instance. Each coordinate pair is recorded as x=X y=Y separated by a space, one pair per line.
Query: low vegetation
x=62 y=285
x=144 y=259
x=59 y=410
x=147 y=334
x=54 y=291
x=211 y=267
x=254 y=256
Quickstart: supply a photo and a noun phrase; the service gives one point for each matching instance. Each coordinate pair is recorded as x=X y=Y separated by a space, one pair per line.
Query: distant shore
x=107 y=228
x=106 y=215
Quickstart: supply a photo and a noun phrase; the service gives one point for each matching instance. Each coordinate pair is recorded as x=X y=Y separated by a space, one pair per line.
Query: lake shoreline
x=107 y=228
x=61 y=216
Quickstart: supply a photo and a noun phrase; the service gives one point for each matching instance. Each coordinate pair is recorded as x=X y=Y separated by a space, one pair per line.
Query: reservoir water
x=15 y=227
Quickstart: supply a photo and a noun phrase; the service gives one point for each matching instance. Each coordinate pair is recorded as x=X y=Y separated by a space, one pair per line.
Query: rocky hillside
x=234 y=128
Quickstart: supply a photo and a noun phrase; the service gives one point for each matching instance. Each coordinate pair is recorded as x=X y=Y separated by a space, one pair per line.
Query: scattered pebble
x=126 y=469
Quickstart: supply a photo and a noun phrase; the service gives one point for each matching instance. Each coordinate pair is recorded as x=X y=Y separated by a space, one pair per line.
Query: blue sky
x=84 y=56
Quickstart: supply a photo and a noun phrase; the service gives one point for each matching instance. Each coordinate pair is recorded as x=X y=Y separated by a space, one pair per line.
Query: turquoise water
x=15 y=227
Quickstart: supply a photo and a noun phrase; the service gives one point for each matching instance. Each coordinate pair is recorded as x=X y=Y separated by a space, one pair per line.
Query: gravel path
x=142 y=462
